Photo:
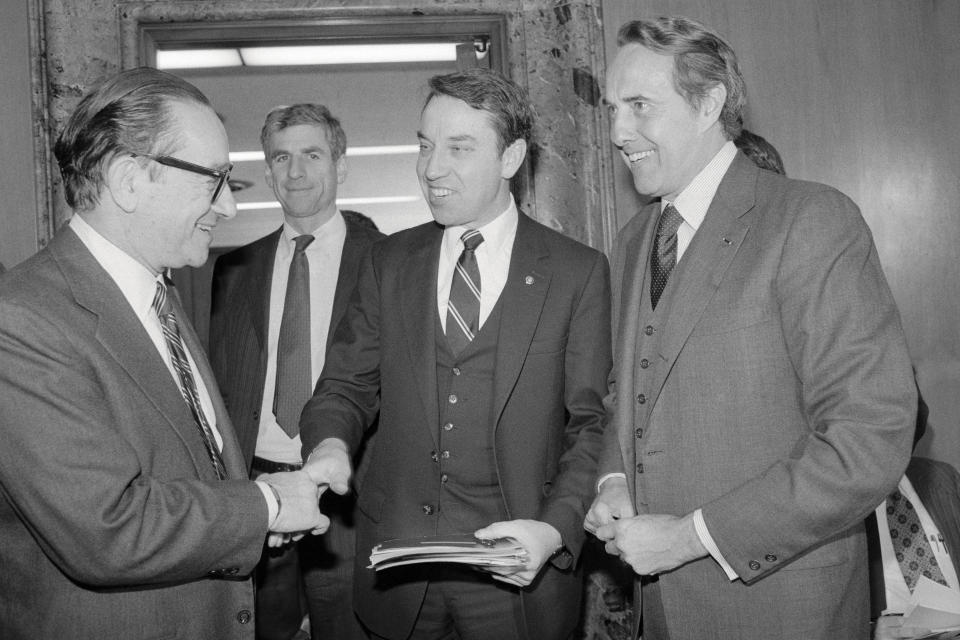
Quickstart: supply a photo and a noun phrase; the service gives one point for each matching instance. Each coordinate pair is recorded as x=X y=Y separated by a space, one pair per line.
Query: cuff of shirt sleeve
x=273 y=509
x=607 y=476
x=704 y=534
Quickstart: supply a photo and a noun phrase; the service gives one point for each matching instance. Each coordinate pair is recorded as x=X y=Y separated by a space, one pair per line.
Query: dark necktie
x=913 y=550
x=664 y=256
x=463 y=306
x=188 y=386
x=293 y=387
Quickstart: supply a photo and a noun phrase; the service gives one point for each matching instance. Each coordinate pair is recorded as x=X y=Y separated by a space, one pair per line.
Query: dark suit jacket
x=552 y=360
x=113 y=523
x=938 y=485
x=781 y=402
x=240 y=309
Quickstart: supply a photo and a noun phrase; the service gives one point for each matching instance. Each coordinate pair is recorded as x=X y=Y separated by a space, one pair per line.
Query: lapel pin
x=529 y=280
x=726 y=241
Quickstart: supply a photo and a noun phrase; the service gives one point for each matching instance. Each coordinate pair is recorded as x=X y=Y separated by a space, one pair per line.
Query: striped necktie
x=188 y=386
x=664 y=256
x=463 y=306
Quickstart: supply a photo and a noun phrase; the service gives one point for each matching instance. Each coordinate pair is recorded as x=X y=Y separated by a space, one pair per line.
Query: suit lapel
x=122 y=335
x=353 y=251
x=522 y=300
x=705 y=263
x=258 y=279
x=418 y=315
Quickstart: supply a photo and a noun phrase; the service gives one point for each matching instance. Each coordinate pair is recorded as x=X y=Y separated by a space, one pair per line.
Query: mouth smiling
x=637 y=156
x=440 y=192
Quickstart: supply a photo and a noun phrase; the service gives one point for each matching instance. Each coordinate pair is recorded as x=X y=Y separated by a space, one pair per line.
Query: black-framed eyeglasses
x=222 y=175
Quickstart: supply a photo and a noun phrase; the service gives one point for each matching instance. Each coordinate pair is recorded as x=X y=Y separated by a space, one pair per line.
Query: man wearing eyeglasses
x=126 y=511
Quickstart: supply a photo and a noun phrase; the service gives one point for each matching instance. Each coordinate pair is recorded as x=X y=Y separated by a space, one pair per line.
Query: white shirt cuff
x=273 y=509
x=704 y=534
x=607 y=476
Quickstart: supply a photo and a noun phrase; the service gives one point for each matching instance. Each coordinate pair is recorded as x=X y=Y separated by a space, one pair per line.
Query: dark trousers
x=315 y=576
x=462 y=604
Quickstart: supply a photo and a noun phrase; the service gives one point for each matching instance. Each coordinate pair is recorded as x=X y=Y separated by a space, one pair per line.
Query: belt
x=263 y=465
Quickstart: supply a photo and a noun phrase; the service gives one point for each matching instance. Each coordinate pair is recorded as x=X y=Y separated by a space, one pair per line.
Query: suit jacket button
x=640 y=468
x=427 y=509
x=448 y=426
x=452 y=398
x=456 y=371
x=648 y=330
x=754 y=565
x=641 y=399
x=243 y=617
x=256 y=416
x=770 y=557
x=639 y=433
x=232 y=571
x=644 y=363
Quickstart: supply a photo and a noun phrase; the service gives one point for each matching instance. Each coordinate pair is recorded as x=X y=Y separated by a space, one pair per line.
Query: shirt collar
x=694 y=201
x=136 y=282
x=332 y=228
x=497 y=233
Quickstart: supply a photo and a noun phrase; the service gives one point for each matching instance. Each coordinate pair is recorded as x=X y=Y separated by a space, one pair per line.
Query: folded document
x=465 y=549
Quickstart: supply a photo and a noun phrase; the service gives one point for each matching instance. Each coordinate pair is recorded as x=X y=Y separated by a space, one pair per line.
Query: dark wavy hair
x=701 y=58
x=285 y=116
x=128 y=113
x=505 y=102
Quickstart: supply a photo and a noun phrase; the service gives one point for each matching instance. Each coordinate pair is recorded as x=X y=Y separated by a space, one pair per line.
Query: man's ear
x=711 y=105
x=512 y=158
x=124 y=180
x=341 y=169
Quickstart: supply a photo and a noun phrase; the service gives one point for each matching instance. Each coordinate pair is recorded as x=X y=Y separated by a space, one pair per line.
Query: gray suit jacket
x=781 y=403
x=112 y=520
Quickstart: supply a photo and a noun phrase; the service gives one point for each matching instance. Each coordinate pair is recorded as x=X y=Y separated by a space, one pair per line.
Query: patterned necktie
x=664 y=258
x=913 y=550
x=188 y=386
x=293 y=387
x=463 y=306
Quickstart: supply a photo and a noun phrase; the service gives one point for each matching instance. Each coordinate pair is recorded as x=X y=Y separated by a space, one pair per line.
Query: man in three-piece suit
x=762 y=399
x=482 y=339
x=304 y=147
x=126 y=511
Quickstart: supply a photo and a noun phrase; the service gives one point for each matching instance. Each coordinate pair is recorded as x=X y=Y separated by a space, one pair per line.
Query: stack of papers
x=939 y=613
x=465 y=549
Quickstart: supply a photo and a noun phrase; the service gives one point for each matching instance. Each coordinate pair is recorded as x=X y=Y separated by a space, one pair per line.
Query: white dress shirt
x=323 y=258
x=493 y=260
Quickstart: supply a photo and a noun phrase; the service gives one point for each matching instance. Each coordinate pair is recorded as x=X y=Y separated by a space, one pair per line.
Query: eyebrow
x=277 y=152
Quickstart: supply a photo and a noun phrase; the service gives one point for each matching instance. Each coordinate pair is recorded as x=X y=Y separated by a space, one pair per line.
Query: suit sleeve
x=843 y=336
x=586 y=366
x=346 y=399
x=77 y=474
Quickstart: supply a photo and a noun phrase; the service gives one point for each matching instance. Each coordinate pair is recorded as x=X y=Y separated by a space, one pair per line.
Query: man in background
x=275 y=304
x=126 y=511
x=762 y=400
x=482 y=339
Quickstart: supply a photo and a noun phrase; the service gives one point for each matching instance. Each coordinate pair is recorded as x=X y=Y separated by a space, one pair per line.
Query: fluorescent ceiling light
x=198 y=58
x=247 y=206
x=391 y=150
x=349 y=54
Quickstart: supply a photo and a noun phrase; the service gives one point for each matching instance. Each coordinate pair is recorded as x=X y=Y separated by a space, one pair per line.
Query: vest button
x=648 y=330
x=640 y=468
x=452 y=398
x=435 y=456
x=644 y=363
x=444 y=454
x=754 y=565
x=448 y=426
x=243 y=616
x=427 y=509
x=639 y=433
x=770 y=557
x=641 y=398
x=456 y=371
x=444 y=478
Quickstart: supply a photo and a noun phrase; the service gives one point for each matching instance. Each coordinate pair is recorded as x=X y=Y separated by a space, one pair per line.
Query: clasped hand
x=328 y=467
x=539 y=539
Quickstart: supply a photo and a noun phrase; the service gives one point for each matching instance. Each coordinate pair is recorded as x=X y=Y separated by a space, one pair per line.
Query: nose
x=622 y=129
x=294 y=167
x=225 y=206
x=432 y=163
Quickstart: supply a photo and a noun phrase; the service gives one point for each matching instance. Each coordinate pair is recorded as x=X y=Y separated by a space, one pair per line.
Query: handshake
x=298 y=492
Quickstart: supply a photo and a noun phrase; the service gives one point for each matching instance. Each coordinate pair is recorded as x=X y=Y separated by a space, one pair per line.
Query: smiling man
x=763 y=400
x=308 y=269
x=483 y=341
x=126 y=511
